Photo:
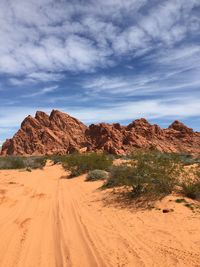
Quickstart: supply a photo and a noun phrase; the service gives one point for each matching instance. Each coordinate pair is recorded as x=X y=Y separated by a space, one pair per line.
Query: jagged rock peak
x=64 y=121
x=179 y=126
x=41 y=114
x=142 y=122
x=42 y=117
x=55 y=113
x=30 y=121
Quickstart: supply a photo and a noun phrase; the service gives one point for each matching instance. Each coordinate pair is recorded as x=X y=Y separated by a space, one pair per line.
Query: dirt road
x=46 y=221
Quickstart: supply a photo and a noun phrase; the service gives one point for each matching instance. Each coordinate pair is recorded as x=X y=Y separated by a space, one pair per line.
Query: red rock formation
x=55 y=134
x=60 y=133
x=106 y=137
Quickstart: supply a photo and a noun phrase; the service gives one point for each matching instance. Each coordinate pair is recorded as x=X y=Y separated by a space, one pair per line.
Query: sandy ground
x=46 y=220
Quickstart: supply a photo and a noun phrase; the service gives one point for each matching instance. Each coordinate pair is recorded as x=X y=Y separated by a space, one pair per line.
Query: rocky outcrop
x=60 y=133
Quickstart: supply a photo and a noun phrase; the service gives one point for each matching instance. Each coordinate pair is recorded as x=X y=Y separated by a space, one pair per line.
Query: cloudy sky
x=111 y=60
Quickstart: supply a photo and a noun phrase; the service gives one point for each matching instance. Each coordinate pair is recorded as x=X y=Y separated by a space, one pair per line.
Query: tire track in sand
x=77 y=241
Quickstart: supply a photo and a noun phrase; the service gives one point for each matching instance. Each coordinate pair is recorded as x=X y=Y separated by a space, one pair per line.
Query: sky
x=100 y=60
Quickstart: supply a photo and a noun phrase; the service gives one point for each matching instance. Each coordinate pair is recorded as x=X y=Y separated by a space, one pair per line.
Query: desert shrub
x=12 y=162
x=58 y=158
x=125 y=157
x=35 y=162
x=81 y=163
x=17 y=162
x=180 y=200
x=191 y=187
x=119 y=176
x=95 y=175
x=151 y=172
x=188 y=159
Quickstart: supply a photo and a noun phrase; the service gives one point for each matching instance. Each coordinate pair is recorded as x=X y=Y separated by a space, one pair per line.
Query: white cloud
x=182 y=57
x=36 y=77
x=169 y=21
x=150 y=109
x=41 y=92
x=42 y=36
x=106 y=83
x=161 y=81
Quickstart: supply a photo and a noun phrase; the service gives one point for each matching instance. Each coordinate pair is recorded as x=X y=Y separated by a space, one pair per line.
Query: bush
x=12 y=162
x=119 y=175
x=78 y=164
x=35 y=162
x=151 y=172
x=191 y=187
x=188 y=159
x=58 y=158
x=95 y=175
x=17 y=162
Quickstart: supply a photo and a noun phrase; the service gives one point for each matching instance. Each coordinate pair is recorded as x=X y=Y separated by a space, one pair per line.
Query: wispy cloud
x=36 y=77
x=160 y=81
x=41 y=92
x=150 y=109
x=45 y=37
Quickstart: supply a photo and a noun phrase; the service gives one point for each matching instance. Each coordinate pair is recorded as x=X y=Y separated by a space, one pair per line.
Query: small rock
x=165 y=210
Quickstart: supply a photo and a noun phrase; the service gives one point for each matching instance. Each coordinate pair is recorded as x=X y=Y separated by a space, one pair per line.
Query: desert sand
x=47 y=220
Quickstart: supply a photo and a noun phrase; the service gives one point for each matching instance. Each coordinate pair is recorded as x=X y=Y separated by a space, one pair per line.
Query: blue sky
x=99 y=60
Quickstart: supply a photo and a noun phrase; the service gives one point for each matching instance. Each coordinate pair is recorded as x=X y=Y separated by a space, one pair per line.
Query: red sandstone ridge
x=60 y=133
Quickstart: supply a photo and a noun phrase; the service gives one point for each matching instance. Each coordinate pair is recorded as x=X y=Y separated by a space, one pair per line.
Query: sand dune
x=49 y=221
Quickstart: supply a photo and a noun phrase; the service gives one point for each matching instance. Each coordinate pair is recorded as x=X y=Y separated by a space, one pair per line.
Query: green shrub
x=17 y=162
x=188 y=159
x=58 y=158
x=81 y=163
x=119 y=175
x=95 y=175
x=191 y=189
x=12 y=162
x=191 y=185
x=35 y=162
x=180 y=200
x=151 y=172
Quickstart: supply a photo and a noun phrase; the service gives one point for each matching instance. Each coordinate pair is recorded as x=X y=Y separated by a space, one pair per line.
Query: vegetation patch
x=189 y=205
x=78 y=164
x=191 y=189
x=150 y=173
x=17 y=162
x=188 y=159
x=191 y=183
x=180 y=200
x=95 y=175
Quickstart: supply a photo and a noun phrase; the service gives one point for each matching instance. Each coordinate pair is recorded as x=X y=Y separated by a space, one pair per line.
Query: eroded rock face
x=60 y=133
x=106 y=137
